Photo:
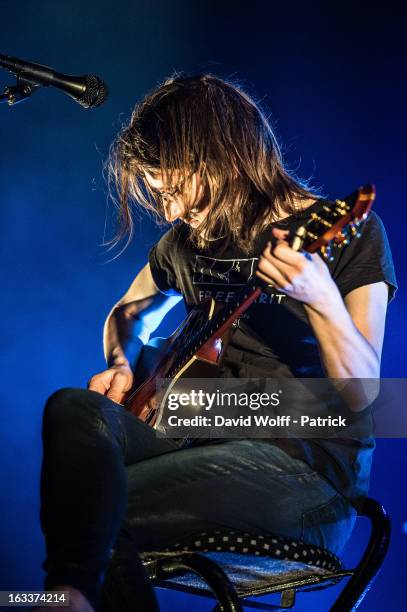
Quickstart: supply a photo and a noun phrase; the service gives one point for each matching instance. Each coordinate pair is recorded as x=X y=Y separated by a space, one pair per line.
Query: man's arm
x=349 y=331
x=127 y=328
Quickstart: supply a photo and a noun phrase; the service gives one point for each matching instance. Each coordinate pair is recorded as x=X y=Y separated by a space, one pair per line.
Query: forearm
x=124 y=335
x=345 y=352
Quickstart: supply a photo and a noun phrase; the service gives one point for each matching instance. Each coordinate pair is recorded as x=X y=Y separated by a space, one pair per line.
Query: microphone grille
x=95 y=92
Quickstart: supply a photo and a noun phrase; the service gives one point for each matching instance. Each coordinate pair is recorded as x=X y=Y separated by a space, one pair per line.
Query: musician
x=199 y=153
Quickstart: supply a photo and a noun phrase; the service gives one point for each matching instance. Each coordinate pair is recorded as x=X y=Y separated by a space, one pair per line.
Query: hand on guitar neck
x=300 y=275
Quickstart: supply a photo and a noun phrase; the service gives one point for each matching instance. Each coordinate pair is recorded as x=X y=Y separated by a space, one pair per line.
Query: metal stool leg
x=368 y=568
x=213 y=575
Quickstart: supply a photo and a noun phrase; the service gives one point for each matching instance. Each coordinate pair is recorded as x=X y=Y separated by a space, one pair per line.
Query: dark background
x=335 y=85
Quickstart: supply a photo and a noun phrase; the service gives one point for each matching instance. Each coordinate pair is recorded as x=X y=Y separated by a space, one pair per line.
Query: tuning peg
x=354 y=229
x=342 y=208
x=326 y=252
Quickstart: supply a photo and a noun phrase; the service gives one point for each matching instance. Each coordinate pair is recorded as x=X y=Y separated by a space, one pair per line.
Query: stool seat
x=250 y=574
x=253 y=564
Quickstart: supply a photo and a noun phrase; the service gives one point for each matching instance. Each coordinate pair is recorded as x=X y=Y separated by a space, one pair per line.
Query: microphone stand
x=23 y=89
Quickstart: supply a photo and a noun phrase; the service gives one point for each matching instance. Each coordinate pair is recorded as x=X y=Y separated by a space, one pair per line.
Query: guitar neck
x=220 y=321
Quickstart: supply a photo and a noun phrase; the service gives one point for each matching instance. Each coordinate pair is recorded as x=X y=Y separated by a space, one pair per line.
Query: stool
x=231 y=566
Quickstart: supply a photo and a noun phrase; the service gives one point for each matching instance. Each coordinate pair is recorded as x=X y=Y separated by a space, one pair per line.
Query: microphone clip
x=22 y=90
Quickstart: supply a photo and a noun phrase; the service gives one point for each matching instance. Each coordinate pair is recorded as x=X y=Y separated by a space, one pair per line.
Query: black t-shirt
x=273 y=337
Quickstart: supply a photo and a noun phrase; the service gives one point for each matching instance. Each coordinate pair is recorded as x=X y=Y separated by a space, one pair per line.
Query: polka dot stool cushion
x=272 y=546
x=253 y=562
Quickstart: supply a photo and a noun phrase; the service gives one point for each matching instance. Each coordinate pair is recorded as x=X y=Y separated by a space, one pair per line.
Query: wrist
x=117 y=361
x=328 y=304
x=116 y=365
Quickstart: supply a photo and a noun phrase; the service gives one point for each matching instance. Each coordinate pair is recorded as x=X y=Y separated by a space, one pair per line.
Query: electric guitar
x=196 y=347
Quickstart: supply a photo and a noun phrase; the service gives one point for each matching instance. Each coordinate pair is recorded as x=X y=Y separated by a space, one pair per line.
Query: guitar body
x=157 y=359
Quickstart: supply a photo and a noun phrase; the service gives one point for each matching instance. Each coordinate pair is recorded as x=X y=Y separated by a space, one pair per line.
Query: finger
x=271 y=272
x=286 y=254
x=266 y=279
x=115 y=396
x=97 y=384
x=287 y=270
x=117 y=389
x=280 y=234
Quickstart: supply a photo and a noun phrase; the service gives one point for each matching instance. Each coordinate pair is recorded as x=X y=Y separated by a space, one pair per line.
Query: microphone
x=88 y=90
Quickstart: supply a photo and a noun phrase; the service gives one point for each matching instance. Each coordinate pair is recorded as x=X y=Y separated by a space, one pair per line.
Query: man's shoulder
x=176 y=235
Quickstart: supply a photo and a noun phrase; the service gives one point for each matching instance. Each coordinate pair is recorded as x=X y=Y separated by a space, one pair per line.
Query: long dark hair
x=211 y=126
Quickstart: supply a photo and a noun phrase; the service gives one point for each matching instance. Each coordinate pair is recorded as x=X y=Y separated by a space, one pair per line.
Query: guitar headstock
x=336 y=224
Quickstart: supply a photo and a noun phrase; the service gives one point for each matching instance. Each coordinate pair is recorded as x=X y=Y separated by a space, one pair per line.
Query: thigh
x=89 y=418
x=139 y=440
x=249 y=485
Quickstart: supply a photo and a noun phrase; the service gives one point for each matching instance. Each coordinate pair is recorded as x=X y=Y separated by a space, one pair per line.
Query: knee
x=68 y=405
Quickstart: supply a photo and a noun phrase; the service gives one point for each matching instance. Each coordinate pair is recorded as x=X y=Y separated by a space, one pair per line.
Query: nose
x=173 y=210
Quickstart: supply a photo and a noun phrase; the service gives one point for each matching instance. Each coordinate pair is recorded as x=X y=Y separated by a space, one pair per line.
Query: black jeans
x=109 y=483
